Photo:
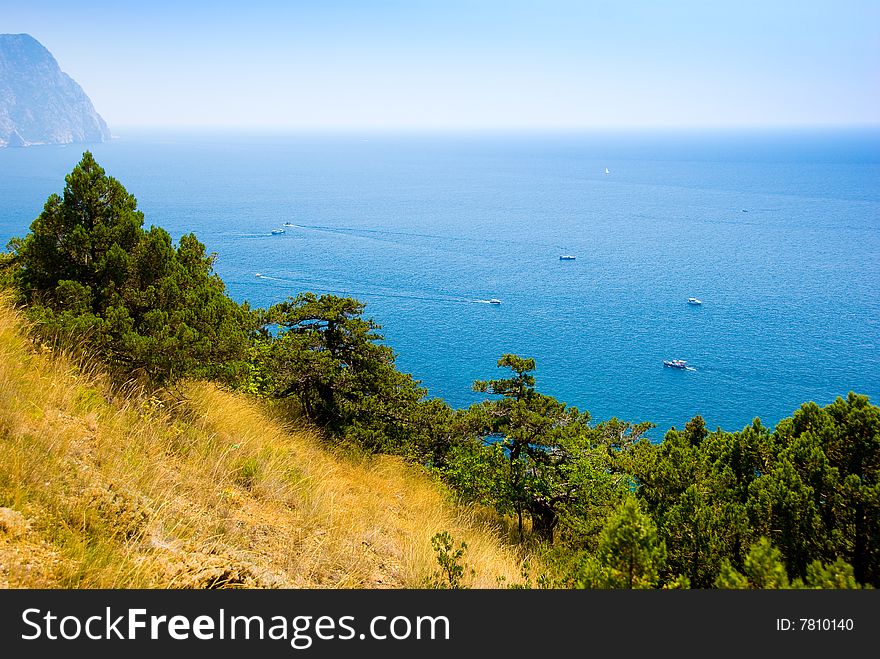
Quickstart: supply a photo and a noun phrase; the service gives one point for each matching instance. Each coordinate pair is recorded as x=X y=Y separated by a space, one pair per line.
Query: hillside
x=201 y=489
x=39 y=103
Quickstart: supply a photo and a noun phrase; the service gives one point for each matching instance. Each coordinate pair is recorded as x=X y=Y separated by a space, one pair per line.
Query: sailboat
x=606 y=171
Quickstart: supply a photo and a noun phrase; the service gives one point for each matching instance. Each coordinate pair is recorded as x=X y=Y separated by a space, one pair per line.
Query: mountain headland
x=39 y=103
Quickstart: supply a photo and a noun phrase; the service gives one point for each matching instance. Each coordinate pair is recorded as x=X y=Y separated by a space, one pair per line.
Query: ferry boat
x=675 y=363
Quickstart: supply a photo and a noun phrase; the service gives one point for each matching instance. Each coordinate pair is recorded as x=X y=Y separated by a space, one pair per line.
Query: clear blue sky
x=453 y=64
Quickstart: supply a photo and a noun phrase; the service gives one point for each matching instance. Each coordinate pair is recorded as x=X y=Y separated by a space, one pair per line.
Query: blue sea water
x=777 y=232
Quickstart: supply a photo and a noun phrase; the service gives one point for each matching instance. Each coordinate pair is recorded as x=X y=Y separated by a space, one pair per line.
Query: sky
x=456 y=64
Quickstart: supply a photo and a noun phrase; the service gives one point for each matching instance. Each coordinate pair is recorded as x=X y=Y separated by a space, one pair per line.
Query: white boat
x=494 y=301
x=258 y=274
x=567 y=257
x=275 y=232
x=675 y=363
x=693 y=300
x=606 y=171
x=289 y=224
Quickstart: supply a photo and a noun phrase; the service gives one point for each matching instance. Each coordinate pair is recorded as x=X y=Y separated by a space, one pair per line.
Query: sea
x=776 y=231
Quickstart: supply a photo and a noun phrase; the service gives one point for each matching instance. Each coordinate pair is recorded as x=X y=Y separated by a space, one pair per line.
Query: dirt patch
x=12 y=523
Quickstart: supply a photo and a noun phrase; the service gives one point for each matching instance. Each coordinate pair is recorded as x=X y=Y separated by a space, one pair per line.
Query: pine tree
x=93 y=279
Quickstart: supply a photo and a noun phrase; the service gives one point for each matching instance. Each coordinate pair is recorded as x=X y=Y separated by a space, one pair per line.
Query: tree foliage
x=92 y=277
x=763 y=568
x=321 y=352
x=790 y=507
x=630 y=548
x=809 y=487
x=537 y=459
x=551 y=459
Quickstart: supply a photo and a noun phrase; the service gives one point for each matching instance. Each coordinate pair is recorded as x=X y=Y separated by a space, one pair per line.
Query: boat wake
x=389 y=235
x=305 y=285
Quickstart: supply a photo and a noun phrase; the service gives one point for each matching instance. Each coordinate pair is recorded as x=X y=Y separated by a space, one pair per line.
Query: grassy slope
x=104 y=491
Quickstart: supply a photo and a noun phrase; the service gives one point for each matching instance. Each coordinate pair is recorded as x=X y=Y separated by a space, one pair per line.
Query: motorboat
x=289 y=224
x=567 y=257
x=275 y=232
x=258 y=274
x=693 y=300
x=675 y=363
x=494 y=301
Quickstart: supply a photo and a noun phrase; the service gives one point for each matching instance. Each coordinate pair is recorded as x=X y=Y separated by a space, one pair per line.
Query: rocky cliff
x=39 y=103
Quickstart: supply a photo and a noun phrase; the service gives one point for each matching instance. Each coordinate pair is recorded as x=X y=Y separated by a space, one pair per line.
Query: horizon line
x=299 y=129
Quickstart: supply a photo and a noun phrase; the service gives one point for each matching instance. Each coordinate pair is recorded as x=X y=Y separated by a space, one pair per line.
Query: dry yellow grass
x=103 y=490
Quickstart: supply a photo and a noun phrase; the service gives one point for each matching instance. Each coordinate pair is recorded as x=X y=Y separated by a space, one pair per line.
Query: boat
x=494 y=301
x=693 y=300
x=289 y=224
x=675 y=363
x=567 y=257
x=258 y=274
x=275 y=232
x=606 y=171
